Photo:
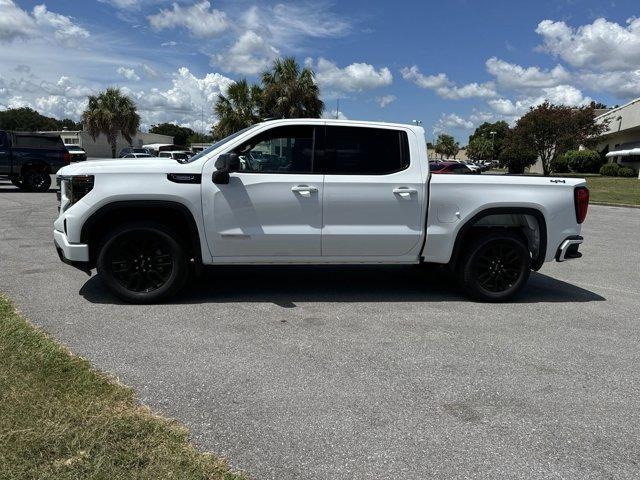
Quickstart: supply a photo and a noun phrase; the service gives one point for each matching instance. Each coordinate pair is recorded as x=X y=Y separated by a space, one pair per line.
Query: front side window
x=286 y=149
x=364 y=151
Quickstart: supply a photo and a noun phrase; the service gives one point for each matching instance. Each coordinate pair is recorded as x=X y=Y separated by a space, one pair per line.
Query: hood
x=114 y=165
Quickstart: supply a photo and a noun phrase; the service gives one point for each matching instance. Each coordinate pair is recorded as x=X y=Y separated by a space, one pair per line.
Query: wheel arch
x=467 y=228
x=35 y=165
x=167 y=212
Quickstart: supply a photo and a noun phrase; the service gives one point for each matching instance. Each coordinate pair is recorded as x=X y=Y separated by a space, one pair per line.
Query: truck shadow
x=287 y=285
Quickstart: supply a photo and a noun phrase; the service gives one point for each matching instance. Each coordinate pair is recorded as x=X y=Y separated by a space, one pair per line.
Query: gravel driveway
x=367 y=372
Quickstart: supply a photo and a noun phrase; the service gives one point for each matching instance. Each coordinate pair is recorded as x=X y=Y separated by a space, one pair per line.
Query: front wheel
x=143 y=262
x=495 y=266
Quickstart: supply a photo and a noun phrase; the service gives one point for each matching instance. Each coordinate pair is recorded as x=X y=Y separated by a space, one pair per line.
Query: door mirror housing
x=228 y=162
x=225 y=164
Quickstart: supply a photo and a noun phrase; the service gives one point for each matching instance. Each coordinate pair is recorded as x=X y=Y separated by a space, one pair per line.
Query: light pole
x=417 y=123
x=493 y=144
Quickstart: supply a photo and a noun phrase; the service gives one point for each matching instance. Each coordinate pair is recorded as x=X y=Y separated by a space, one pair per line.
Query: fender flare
x=537 y=214
x=184 y=211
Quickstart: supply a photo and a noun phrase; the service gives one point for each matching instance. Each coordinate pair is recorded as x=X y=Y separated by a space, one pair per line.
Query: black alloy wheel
x=36 y=181
x=143 y=262
x=498 y=266
x=495 y=266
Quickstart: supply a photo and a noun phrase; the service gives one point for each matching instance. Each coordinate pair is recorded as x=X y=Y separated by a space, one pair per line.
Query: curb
x=607 y=204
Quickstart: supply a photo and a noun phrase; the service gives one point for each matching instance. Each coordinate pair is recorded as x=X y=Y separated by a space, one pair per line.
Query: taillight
x=581 y=199
x=66 y=156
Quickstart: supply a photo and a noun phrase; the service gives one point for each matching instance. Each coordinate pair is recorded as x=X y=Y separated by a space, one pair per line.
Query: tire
x=147 y=246
x=495 y=266
x=36 y=181
x=17 y=182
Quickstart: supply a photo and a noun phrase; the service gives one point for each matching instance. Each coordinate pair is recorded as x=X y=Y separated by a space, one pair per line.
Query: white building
x=621 y=140
x=100 y=148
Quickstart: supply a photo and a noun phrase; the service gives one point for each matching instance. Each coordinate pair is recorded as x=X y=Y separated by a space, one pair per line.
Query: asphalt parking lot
x=367 y=372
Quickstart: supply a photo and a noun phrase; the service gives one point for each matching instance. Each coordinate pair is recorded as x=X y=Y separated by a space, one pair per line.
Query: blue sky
x=450 y=64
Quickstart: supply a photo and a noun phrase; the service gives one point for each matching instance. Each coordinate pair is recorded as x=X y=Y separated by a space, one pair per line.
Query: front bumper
x=74 y=254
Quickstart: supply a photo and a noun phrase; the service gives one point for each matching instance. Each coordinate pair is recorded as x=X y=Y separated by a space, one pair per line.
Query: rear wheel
x=495 y=266
x=143 y=262
x=36 y=181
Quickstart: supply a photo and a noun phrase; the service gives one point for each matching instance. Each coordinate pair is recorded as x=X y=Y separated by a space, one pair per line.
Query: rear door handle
x=304 y=189
x=404 y=191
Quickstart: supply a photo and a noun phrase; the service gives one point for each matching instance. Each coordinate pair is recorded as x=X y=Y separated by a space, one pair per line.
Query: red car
x=449 y=167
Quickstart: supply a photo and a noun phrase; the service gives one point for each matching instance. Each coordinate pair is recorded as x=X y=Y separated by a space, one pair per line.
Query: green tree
x=480 y=148
x=516 y=153
x=238 y=109
x=289 y=91
x=111 y=113
x=199 y=138
x=495 y=132
x=179 y=134
x=446 y=146
x=550 y=130
x=26 y=119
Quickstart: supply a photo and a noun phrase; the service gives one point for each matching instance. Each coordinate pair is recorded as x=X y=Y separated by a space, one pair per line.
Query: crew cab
x=28 y=159
x=331 y=192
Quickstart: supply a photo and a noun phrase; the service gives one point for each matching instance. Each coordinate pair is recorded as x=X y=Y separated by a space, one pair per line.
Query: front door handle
x=404 y=191
x=304 y=189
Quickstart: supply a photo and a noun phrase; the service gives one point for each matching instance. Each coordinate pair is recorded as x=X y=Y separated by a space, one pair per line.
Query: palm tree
x=112 y=113
x=289 y=92
x=238 y=109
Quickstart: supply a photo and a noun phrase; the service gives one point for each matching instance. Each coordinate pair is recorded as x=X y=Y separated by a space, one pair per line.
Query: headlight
x=72 y=189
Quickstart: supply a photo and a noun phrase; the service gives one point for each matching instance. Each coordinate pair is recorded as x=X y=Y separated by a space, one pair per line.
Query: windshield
x=219 y=143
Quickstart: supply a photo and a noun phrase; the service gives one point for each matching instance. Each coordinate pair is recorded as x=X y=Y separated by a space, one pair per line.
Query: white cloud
x=169 y=44
x=129 y=73
x=560 y=95
x=335 y=114
x=413 y=74
x=149 y=72
x=624 y=85
x=352 y=78
x=516 y=77
x=289 y=23
x=15 y=23
x=452 y=121
x=385 y=100
x=60 y=107
x=249 y=55
x=64 y=30
x=200 y=19
x=445 y=88
x=123 y=4
x=471 y=90
x=601 y=45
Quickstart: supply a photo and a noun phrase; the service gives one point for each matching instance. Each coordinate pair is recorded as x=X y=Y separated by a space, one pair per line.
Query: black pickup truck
x=29 y=159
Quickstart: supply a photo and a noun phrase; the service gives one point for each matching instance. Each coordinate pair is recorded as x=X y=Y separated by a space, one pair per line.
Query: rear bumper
x=568 y=249
x=74 y=254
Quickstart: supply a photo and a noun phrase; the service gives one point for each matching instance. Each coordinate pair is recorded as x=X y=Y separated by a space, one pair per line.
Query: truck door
x=5 y=154
x=373 y=192
x=272 y=207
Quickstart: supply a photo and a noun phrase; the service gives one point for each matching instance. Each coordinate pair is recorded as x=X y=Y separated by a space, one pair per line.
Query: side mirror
x=226 y=163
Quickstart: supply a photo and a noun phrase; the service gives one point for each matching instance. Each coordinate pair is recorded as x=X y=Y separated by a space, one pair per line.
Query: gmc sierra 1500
x=311 y=191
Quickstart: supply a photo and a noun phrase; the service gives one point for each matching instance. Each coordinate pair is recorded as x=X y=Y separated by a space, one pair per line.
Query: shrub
x=560 y=165
x=583 y=161
x=626 y=172
x=610 y=170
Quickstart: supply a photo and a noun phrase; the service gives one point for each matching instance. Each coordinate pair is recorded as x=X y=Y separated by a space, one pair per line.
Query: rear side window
x=364 y=151
x=39 y=141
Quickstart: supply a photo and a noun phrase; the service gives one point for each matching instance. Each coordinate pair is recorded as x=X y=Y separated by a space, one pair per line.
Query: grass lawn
x=614 y=190
x=61 y=419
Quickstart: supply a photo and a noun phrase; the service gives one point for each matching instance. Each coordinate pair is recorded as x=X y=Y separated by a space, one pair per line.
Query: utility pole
x=337 y=108
x=493 y=144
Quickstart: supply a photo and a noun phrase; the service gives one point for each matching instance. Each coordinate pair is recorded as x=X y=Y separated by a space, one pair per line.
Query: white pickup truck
x=311 y=191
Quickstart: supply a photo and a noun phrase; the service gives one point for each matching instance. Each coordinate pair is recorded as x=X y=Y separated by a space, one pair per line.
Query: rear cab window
x=363 y=151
